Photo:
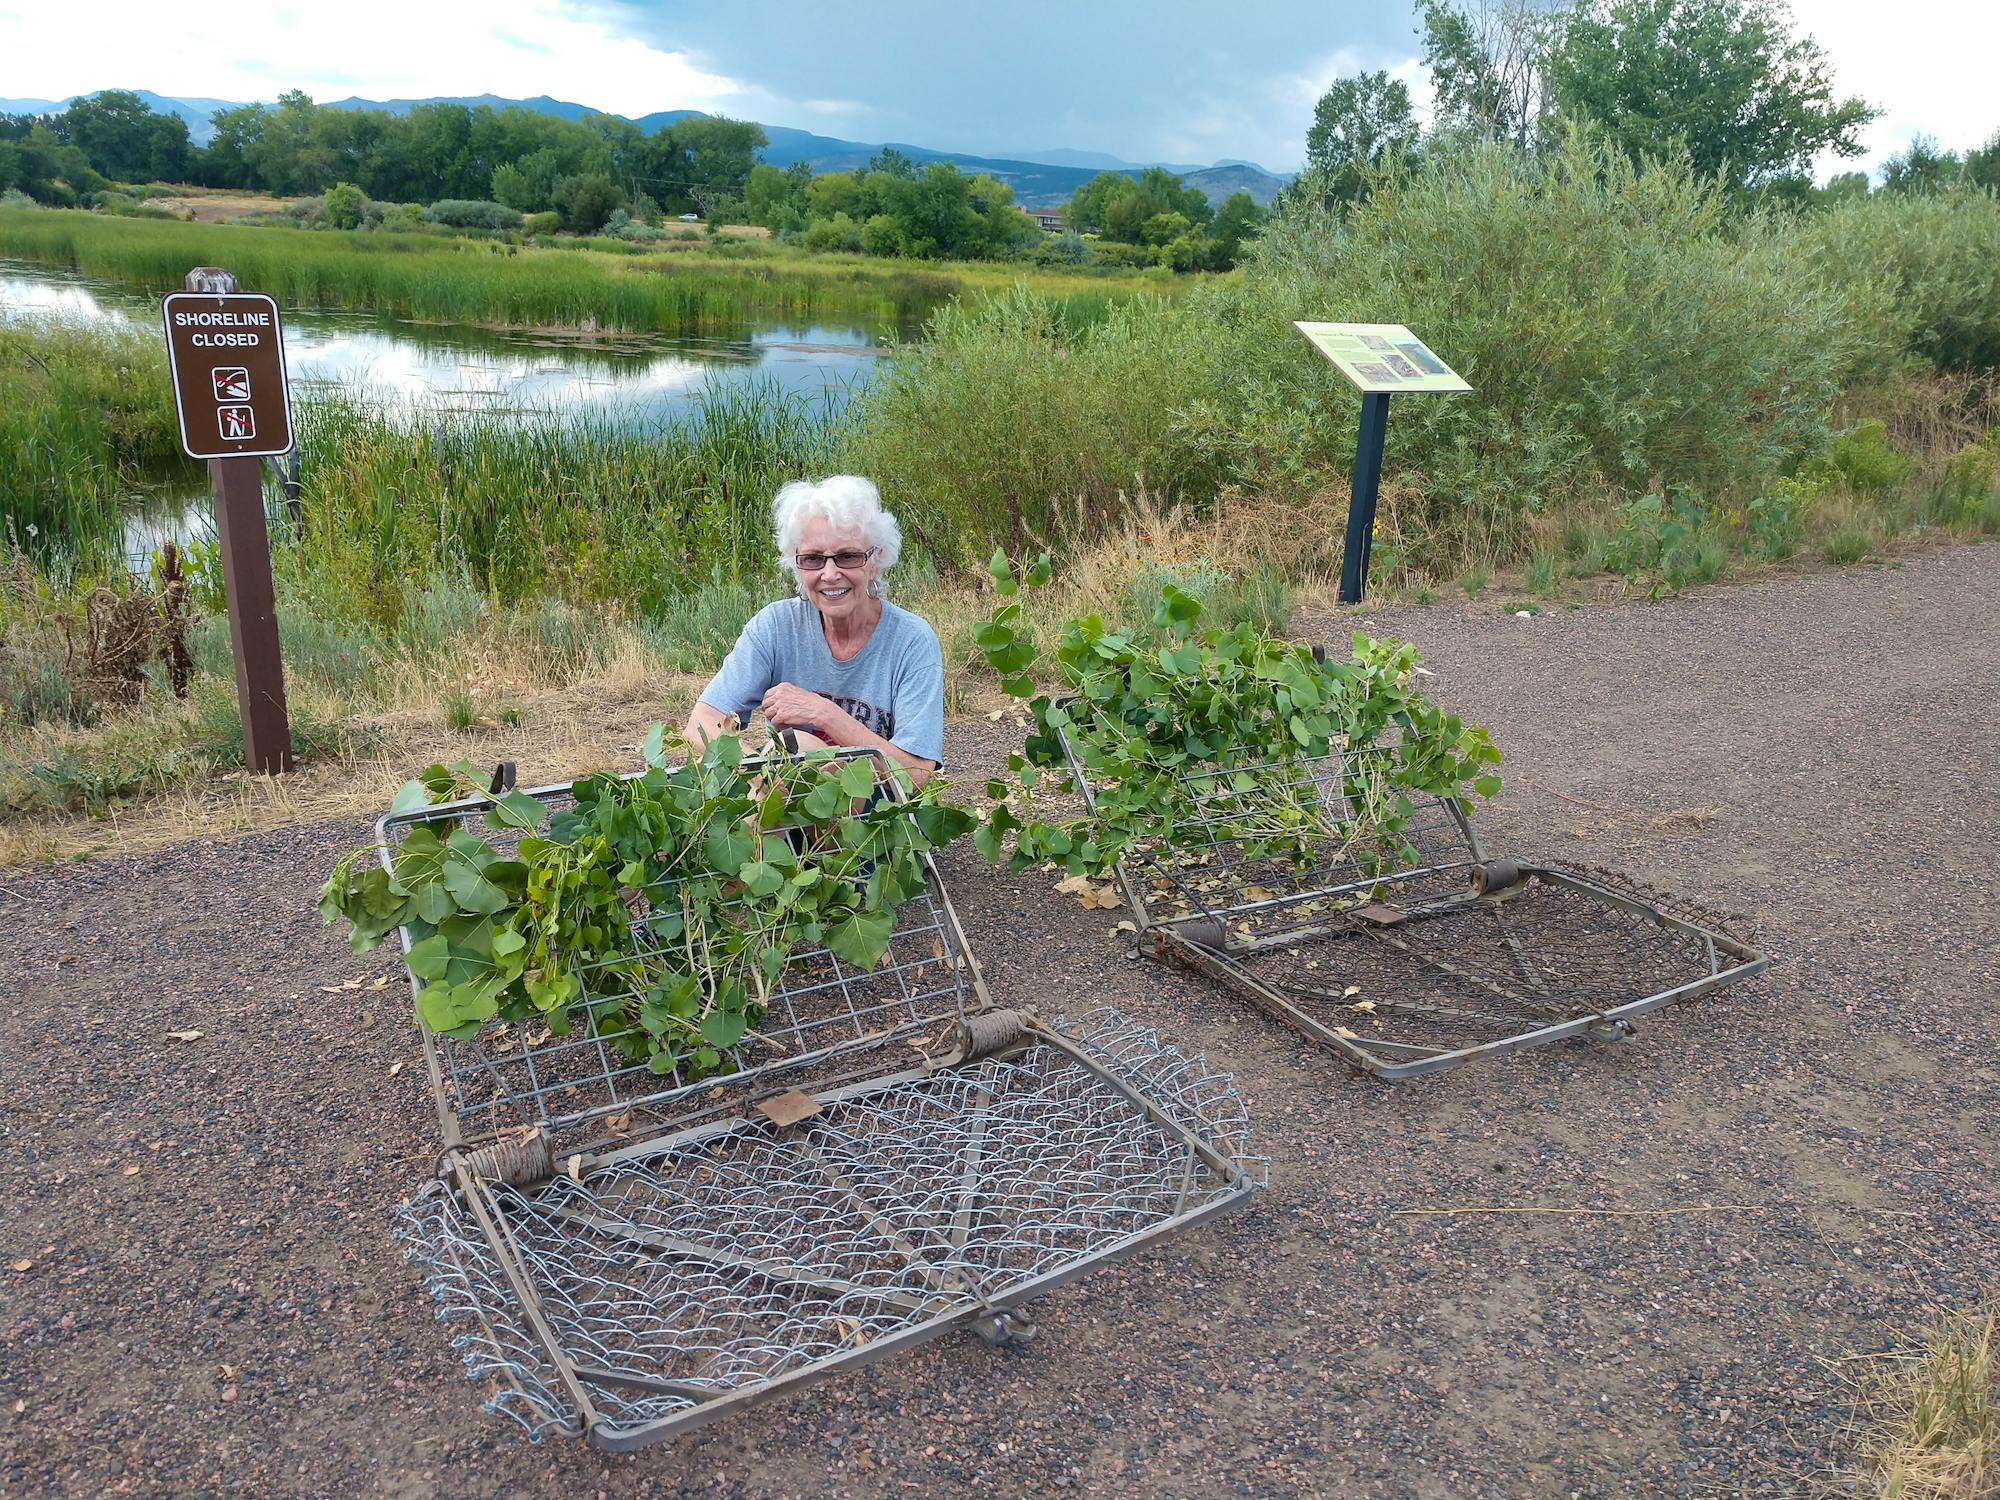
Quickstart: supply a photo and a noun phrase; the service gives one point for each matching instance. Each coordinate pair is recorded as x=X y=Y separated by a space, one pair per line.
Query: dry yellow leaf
x=576 y=1169
x=1365 y=1005
x=131 y=1171
x=185 y=1036
x=395 y=1068
x=24 y=1265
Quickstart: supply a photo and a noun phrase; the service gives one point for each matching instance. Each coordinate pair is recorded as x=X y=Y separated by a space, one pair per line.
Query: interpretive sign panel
x=1383 y=357
x=228 y=359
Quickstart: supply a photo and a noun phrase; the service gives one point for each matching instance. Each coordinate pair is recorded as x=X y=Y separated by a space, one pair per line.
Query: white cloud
x=376 y=48
x=1928 y=64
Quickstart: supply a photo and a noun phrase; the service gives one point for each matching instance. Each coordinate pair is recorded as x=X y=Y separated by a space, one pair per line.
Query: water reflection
x=401 y=366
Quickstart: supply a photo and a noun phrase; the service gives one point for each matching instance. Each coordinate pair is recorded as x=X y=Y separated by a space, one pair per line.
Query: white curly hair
x=848 y=503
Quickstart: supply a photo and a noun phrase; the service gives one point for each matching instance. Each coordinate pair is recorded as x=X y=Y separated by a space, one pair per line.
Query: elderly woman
x=839 y=664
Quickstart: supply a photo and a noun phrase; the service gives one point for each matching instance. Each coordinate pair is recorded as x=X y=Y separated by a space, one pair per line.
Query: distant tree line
x=582 y=170
x=893 y=207
x=1727 y=81
x=476 y=167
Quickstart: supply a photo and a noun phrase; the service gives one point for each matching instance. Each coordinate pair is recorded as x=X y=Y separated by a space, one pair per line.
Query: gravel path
x=214 y=1305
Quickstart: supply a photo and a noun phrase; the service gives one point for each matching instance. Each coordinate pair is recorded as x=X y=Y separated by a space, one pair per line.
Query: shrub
x=1004 y=413
x=1774 y=522
x=540 y=224
x=1926 y=266
x=1620 y=330
x=472 y=213
x=344 y=206
x=837 y=233
x=693 y=633
x=882 y=235
x=1859 y=459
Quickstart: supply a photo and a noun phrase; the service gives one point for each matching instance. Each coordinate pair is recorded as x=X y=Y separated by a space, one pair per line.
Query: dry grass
x=219 y=205
x=563 y=732
x=1929 y=1418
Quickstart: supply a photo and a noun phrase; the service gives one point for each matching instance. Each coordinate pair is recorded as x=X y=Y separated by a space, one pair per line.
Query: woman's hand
x=788 y=706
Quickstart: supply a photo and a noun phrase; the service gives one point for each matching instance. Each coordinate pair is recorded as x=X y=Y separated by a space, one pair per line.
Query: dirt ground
x=213 y=1305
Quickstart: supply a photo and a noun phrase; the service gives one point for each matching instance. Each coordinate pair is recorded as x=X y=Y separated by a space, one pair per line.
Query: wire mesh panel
x=513 y=1075
x=1274 y=844
x=680 y=1279
x=1376 y=924
x=891 y=1158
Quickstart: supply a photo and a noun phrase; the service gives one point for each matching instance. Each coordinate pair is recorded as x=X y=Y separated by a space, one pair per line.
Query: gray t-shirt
x=895 y=686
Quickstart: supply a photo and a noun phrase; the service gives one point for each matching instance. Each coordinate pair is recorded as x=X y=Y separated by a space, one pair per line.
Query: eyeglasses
x=848 y=559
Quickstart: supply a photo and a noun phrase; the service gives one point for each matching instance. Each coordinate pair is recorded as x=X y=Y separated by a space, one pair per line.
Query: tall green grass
x=83 y=414
x=576 y=505
x=487 y=281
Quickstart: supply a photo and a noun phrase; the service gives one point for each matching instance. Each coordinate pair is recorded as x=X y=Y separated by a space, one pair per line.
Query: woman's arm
x=788 y=706
x=705 y=723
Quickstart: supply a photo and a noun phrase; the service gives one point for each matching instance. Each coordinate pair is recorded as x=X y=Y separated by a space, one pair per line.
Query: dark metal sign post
x=1381 y=359
x=1361 y=495
x=226 y=353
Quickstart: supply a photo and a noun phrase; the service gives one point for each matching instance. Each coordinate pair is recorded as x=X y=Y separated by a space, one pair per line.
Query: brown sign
x=228 y=359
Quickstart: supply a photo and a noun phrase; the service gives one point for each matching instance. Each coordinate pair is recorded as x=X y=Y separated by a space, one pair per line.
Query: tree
x=892 y=161
x=1085 y=211
x=1360 y=125
x=1237 y=220
x=1725 y=78
x=1982 y=166
x=776 y=197
x=585 y=200
x=125 y=140
x=882 y=235
x=1486 y=64
x=1921 y=168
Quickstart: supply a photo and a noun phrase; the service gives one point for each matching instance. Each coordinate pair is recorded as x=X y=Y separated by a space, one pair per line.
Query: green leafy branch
x=659 y=911
x=1151 y=714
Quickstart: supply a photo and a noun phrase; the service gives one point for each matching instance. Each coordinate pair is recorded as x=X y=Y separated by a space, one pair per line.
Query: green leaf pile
x=1142 y=709
x=658 y=911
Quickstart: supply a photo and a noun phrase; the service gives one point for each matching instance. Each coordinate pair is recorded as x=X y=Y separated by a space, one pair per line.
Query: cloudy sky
x=1164 y=80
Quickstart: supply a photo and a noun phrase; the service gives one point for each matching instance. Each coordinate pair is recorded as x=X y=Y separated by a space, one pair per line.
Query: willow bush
x=1624 y=331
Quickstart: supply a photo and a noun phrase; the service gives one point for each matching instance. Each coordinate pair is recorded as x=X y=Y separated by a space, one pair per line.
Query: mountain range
x=1040 y=179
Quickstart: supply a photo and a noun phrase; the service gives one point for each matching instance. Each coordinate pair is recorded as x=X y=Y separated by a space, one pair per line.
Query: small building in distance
x=1049 y=218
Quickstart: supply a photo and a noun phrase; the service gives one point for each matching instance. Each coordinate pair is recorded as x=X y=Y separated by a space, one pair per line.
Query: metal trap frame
x=630 y=1255
x=1414 y=949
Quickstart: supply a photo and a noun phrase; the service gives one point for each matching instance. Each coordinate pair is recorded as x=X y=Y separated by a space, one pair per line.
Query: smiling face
x=835 y=591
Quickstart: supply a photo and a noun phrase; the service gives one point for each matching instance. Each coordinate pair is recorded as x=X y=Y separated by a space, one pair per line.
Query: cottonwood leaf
x=863 y=938
x=724 y=1029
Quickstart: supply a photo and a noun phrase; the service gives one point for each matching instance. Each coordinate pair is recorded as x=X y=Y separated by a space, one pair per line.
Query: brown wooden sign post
x=227 y=356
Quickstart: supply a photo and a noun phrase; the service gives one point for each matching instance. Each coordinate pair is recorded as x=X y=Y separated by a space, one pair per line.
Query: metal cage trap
x=630 y=1255
x=1413 y=949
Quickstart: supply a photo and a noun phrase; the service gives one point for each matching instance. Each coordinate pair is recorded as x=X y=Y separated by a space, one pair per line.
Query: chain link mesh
x=731 y=1259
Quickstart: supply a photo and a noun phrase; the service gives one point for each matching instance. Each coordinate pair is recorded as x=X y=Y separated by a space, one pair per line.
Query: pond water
x=403 y=366
x=400 y=364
